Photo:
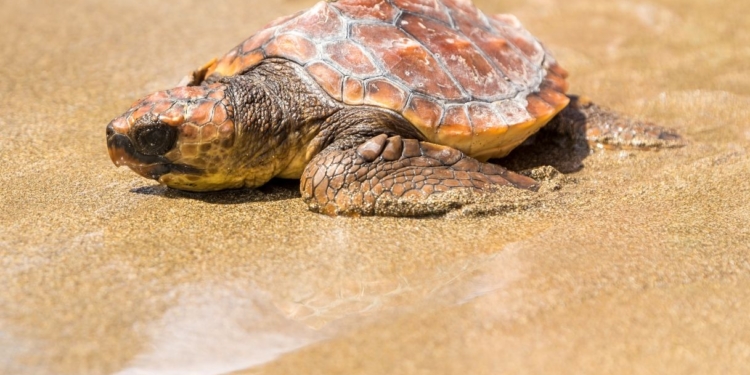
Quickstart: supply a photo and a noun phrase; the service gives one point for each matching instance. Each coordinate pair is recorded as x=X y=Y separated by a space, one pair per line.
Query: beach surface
x=638 y=264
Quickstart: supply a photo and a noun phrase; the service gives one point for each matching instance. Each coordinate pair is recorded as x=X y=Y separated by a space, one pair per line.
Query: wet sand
x=638 y=265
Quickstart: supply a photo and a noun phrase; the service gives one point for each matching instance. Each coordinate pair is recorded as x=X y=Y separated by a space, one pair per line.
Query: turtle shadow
x=560 y=144
x=547 y=148
x=274 y=190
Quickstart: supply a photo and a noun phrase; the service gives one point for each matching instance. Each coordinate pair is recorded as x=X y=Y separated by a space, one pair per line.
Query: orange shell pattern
x=477 y=83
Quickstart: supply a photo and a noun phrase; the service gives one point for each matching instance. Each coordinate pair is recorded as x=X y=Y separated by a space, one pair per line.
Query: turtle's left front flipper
x=603 y=127
x=358 y=181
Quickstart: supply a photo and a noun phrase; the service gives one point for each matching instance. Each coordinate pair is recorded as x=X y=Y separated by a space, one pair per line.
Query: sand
x=637 y=265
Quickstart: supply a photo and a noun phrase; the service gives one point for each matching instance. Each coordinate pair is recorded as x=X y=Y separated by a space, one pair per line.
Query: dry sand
x=638 y=266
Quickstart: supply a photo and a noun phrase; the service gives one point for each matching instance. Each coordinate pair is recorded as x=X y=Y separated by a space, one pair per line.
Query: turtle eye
x=154 y=138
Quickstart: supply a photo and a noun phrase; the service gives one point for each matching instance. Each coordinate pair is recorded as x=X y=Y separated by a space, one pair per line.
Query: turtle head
x=182 y=138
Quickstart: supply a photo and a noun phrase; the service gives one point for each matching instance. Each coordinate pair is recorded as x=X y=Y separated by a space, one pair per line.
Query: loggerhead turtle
x=364 y=101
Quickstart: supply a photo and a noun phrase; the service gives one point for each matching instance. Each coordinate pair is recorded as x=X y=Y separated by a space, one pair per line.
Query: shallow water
x=639 y=264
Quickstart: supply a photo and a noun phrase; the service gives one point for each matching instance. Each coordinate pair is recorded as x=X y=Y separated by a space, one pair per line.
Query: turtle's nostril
x=110 y=130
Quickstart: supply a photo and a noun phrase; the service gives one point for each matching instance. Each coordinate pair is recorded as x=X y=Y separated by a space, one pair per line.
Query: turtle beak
x=117 y=146
x=122 y=152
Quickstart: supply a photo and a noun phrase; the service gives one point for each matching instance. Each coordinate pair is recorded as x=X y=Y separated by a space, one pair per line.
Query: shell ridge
x=341 y=86
x=451 y=12
x=406 y=12
x=471 y=126
x=350 y=24
x=327 y=57
x=484 y=18
x=398 y=14
x=293 y=33
x=498 y=32
x=479 y=79
x=330 y=66
x=263 y=47
x=378 y=64
x=494 y=66
x=441 y=120
x=310 y=81
x=547 y=62
x=345 y=3
x=443 y=103
x=329 y=61
x=508 y=122
x=386 y=72
x=346 y=23
x=534 y=85
x=410 y=105
x=552 y=89
x=213 y=110
x=390 y=80
x=481 y=51
x=464 y=93
x=504 y=34
x=408 y=72
x=345 y=18
x=398 y=17
x=376 y=61
x=438 y=9
x=489 y=27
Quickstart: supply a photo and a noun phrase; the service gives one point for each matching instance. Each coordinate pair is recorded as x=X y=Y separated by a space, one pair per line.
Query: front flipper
x=356 y=181
x=605 y=128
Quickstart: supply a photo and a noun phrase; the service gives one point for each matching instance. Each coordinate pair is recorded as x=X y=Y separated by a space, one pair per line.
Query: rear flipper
x=365 y=180
x=602 y=127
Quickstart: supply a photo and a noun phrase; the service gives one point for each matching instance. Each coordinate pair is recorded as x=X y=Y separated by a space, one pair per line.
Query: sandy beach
x=639 y=264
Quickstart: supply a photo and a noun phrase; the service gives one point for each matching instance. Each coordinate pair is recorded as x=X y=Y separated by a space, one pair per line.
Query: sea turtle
x=364 y=101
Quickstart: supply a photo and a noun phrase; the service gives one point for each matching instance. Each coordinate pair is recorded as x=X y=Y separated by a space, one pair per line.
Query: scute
x=521 y=39
x=368 y=10
x=354 y=91
x=424 y=112
x=381 y=92
x=507 y=58
x=320 y=23
x=452 y=130
x=428 y=8
x=458 y=54
x=479 y=83
x=407 y=60
x=293 y=47
x=330 y=79
x=350 y=57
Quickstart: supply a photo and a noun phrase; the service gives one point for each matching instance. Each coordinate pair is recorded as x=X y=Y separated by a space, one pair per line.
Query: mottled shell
x=477 y=83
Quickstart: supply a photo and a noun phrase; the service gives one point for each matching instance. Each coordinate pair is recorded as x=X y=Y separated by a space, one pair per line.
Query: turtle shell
x=481 y=84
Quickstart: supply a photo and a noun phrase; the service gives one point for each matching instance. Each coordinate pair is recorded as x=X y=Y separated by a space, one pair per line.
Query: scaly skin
x=275 y=121
x=599 y=126
x=352 y=181
x=240 y=131
x=178 y=136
